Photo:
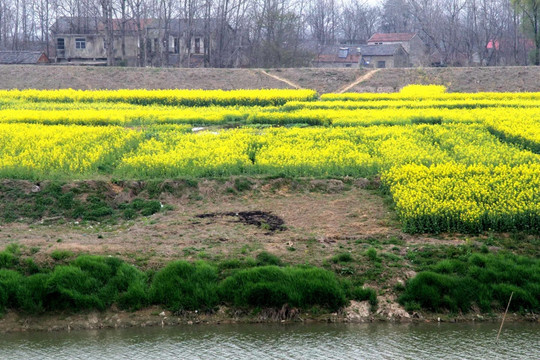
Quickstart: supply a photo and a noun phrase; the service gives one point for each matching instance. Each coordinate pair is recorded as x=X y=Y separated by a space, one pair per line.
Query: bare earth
x=324 y=80
x=314 y=221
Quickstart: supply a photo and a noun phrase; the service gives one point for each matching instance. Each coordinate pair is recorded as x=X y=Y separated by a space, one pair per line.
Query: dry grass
x=319 y=216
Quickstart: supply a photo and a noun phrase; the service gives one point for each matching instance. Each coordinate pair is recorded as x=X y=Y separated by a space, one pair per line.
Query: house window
x=80 y=43
x=60 y=44
x=197 y=45
x=381 y=64
x=176 y=45
x=343 y=53
x=156 y=45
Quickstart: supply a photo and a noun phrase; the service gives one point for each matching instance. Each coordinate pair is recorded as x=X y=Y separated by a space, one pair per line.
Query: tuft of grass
x=344 y=257
x=265 y=258
x=61 y=254
x=486 y=280
x=184 y=286
x=372 y=255
x=272 y=286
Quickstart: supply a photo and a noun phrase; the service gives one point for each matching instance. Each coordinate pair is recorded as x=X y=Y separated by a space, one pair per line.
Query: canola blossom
x=263 y=97
x=450 y=161
x=45 y=152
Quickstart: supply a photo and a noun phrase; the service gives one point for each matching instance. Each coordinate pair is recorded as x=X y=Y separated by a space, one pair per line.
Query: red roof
x=391 y=37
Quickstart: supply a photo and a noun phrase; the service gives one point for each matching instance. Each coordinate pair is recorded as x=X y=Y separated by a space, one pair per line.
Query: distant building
x=383 y=56
x=83 y=40
x=337 y=57
x=371 y=56
x=23 y=57
x=411 y=42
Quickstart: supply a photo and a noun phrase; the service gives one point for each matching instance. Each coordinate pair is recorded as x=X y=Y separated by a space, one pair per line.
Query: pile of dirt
x=261 y=219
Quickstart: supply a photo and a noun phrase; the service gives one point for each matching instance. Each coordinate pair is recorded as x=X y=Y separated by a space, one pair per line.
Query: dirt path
x=288 y=82
x=358 y=81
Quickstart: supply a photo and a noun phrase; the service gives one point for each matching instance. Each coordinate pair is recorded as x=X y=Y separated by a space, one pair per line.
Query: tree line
x=288 y=33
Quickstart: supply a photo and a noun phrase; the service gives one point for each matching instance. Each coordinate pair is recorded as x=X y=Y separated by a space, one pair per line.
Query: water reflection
x=313 y=341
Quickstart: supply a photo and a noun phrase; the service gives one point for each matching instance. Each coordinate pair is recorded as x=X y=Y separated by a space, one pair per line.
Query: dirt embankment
x=357 y=312
x=323 y=80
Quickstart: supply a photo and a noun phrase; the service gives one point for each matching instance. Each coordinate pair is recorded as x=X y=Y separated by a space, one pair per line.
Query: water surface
x=310 y=341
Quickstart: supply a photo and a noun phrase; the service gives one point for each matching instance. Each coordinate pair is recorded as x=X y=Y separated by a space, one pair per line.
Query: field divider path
x=288 y=82
x=358 y=81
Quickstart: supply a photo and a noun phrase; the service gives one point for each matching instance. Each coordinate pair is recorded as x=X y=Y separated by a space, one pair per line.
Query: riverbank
x=343 y=227
x=356 y=313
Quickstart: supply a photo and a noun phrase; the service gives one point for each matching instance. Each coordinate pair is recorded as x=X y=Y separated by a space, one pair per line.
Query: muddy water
x=320 y=341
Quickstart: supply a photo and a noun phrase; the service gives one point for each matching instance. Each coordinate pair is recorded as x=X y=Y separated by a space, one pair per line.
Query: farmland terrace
x=266 y=205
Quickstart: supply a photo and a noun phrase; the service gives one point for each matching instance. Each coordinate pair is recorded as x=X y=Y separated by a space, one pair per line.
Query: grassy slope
x=341 y=225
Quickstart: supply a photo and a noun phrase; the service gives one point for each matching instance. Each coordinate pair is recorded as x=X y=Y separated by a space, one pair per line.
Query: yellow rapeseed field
x=451 y=161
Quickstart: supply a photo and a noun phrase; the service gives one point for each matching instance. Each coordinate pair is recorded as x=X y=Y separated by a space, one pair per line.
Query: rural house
x=383 y=56
x=81 y=40
x=411 y=42
x=23 y=57
x=370 y=56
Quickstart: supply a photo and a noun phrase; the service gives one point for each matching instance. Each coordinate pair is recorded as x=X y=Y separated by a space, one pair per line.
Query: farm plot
x=451 y=162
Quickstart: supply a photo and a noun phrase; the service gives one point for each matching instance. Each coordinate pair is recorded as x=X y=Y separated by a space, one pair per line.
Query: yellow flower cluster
x=474 y=198
x=166 y=97
x=126 y=115
x=40 y=151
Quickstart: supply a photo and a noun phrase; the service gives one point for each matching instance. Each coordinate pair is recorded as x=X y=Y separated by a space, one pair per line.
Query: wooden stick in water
x=504 y=316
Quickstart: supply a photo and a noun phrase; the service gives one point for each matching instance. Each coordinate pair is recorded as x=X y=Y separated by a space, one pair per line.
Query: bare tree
x=531 y=16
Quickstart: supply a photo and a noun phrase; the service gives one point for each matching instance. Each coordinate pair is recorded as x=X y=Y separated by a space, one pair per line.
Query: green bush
x=486 y=280
x=10 y=281
x=32 y=292
x=364 y=294
x=272 y=286
x=184 y=286
x=69 y=287
x=7 y=260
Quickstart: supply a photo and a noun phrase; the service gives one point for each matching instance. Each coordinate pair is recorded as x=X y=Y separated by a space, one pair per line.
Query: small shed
x=23 y=57
x=383 y=56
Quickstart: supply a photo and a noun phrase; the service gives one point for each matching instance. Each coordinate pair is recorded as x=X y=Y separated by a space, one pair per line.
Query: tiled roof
x=20 y=57
x=379 y=50
x=381 y=37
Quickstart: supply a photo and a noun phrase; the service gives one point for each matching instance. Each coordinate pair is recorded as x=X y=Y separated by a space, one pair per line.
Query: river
x=292 y=341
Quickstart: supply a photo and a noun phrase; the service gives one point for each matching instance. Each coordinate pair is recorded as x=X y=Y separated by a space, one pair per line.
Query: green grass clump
x=272 y=286
x=265 y=258
x=140 y=207
x=486 y=280
x=342 y=258
x=61 y=254
x=9 y=284
x=185 y=286
x=88 y=282
x=363 y=294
